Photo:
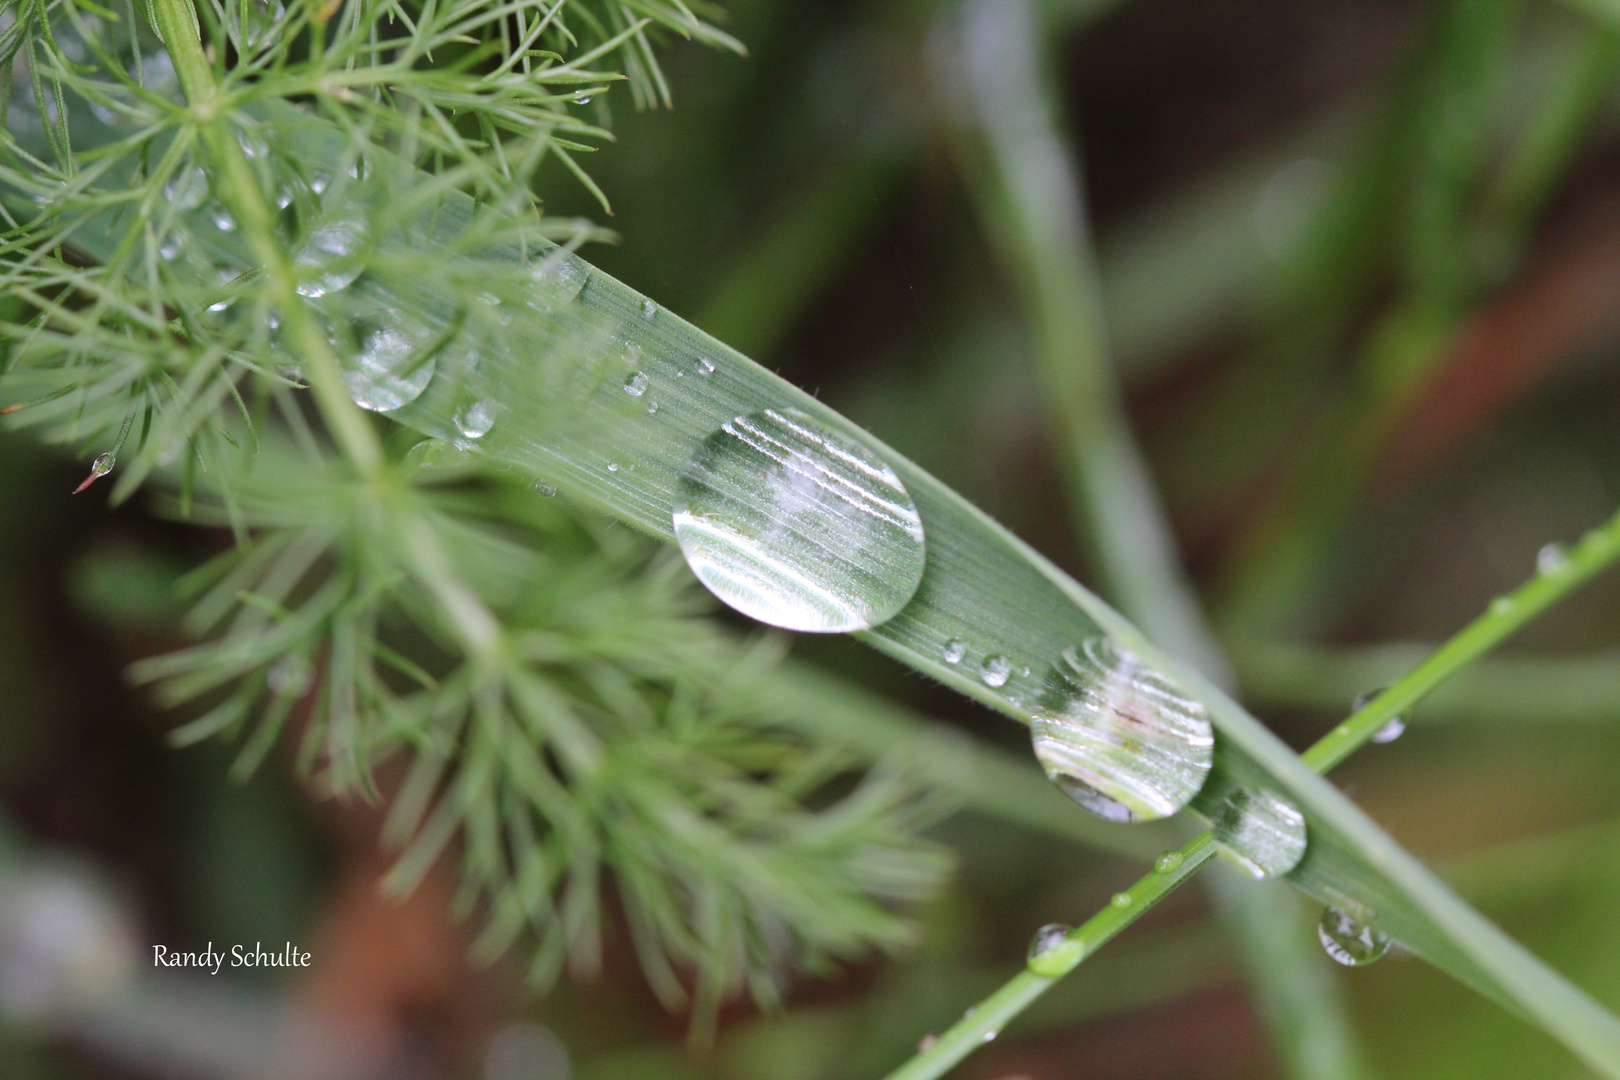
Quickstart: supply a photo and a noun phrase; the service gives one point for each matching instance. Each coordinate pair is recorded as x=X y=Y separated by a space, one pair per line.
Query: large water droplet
x=1261 y=833
x=475 y=419
x=1120 y=738
x=1349 y=940
x=798 y=525
x=387 y=370
x=955 y=649
x=1042 y=946
x=328 y=261
x=636 y=385
x=187 y=189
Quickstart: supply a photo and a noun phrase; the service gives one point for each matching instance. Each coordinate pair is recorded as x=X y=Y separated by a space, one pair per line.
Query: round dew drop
x=955 y=649
x=1169 y=862
x=1551 y=559
x=798 y=525
x=382 y=375
x=703 y=367
x=328 y=262
x=475 y=420
x=1119 y=738
x=1261 y=833
x=1047 y=940
x=1121 y=900
x=1350 y=941
x=995 y=670
x=636 y=385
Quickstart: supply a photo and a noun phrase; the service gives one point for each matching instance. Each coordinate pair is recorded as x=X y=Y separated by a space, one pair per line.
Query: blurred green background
x=1360 y=263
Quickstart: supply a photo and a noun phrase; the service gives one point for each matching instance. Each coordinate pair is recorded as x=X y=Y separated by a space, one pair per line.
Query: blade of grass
x=1029 y=191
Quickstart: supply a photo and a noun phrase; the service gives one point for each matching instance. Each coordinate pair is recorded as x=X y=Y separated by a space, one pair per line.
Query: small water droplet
x=290 y=676
x=632 y=353
x=990 y=1036
x=613 y=466
x=1121 y=900
x=927 y=1043
x=1551 y=559
x=272 y=318
x=1501 y=605
x=222 y=219
x=475 y=419
x=955 y=649
x=544 y=490
x=652 y=408
x=318 y=182
x=284 y=197
x=252 y=145
x=702 y=366
x=328 y=259
x=1349 y=940
x=1121 y=739
x=187 y=189
x=968 y=1012
x=559 y=278
x=798 y=525
x=170 y=246
x=636 y=385
x=994 y=670
x=1393 y=729
x=1260 y=832
x=1169 y=862
x=220 y=306
x=386 y=371
x=648 y=308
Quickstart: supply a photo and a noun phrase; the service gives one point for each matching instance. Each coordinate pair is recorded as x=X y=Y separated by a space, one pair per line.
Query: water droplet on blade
x=1120 y=739
x=1121 y=900
x=1349 y=940
x=222 y=219
x=1261 y=833
x=474 y=420
x=613 y=466
x=636 y=385
x=386 y=370
x=798 y=525
x=703 y=367
x=955 y=649
x=186 y=190
x=327 y=261
x=994 y=670
x=648 y=308
x=1169 y=862
x=1040 y=957
x=652 y=408
x=544 y=490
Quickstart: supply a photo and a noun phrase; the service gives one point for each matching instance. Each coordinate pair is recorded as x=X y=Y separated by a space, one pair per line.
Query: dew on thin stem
x=1551 y=559
x=1392 y=729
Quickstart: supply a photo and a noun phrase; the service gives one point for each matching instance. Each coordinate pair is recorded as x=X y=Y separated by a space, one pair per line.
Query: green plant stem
x=985 y=1021
x=241 y=192
x=354 y=434
x=1516 y=689
x=1030 y=192
x=1598 y=549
